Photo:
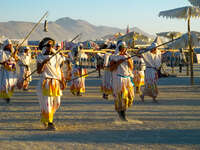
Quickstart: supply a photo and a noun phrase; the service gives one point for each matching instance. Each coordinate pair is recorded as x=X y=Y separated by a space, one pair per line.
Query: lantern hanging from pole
x=45 y=26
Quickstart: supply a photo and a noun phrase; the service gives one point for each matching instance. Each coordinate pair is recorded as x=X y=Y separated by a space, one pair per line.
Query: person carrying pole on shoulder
x=8 y=75
x=24 y=64
x=152 y=60
x=51 y=84
x=123 y=86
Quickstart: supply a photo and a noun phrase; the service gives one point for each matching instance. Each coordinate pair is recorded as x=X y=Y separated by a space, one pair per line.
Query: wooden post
x=172 y=62
x=133 y=42
x=190 y=50
x=98 y=66
x=173 y=56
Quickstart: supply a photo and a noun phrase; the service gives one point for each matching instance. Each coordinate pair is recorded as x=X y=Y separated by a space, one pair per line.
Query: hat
x=119 y=43
x=122 y=44
x=26 y=47
x=50 y=42
x=6 y=42
x=81 y=44
x=153 y=46
x=45 y=41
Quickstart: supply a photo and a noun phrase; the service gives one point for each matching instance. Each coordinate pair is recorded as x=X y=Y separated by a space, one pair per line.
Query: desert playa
x=90 y=122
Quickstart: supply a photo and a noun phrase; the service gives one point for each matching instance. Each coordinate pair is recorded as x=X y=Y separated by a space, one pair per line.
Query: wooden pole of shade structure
x=190 y=50
x=133 y=42
x=173 y=59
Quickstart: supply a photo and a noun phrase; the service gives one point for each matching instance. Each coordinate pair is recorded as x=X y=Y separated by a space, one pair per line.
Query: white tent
x=158 y=40
x=170 y=35
x=183 y=42
x=134 y=38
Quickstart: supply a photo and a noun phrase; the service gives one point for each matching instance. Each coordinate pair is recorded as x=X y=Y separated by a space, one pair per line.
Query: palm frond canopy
x=170 y=34
x=183 y=42
x=195 y=2
x=181 y=13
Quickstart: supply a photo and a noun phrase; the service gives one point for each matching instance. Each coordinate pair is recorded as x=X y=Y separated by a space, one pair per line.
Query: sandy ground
x=90 y=123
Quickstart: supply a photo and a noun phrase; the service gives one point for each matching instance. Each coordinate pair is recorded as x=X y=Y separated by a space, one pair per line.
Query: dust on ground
x=89 y=122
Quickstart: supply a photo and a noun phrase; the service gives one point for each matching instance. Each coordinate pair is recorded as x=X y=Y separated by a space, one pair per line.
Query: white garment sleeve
x=158 y=60
x=106 y=59
x=143 y=66
x=101 y=55
x=41 y=58
x=4 y=56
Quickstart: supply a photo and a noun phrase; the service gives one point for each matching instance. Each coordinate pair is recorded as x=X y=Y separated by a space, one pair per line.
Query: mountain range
x=62 y=29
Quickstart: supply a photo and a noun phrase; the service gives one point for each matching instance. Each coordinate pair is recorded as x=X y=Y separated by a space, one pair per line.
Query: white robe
x=153 y=62
x=49 y=87
x=123 y=87
x=78 y=85
x=138 y=71
x=8 y=75
x=106 y=86
x=24 y=64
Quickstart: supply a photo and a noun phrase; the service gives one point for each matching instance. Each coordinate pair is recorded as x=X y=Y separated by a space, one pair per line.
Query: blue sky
x=116 y=13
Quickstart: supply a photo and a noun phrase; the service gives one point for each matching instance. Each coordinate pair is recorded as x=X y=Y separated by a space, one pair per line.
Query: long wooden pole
x=191 y=50
x=27 y=36
x=173 y=59
x=50 y=58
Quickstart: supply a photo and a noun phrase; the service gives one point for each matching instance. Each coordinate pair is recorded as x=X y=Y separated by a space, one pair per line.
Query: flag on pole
x=62 y=43
x=127 y=30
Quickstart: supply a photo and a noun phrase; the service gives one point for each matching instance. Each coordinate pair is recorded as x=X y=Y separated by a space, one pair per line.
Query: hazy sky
x=116 y=13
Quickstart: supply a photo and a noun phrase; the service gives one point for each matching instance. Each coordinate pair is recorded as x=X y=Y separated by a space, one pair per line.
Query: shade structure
x=195 y=2
x=184 y=13
x=183 y=42
x=181 y=13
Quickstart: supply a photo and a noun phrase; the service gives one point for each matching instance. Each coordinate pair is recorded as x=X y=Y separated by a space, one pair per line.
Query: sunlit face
x=154 y=51
x=9 y=46
x=49 y=47
x=26 y=51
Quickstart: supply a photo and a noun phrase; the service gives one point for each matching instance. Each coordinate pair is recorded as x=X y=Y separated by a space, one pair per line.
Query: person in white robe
x=138 y=71
x=106 y=85
x=78 y=71
x=50 y=85
x=24 y=64
x=152 y=60
x=8 y=74
x=123 y=86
